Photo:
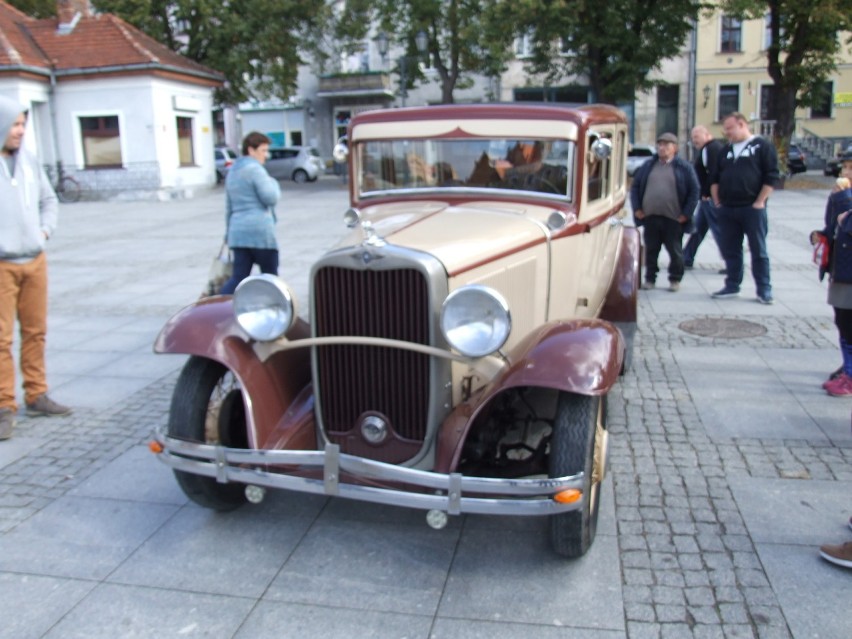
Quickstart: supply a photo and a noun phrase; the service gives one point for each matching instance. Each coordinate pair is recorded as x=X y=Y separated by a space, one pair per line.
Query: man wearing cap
x=27 y=220
x=664 y=195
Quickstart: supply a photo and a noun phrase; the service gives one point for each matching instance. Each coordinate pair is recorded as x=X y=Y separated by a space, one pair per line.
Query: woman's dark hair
x=254 y=140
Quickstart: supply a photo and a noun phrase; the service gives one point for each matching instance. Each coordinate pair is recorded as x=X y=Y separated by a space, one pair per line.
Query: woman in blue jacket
x=251 y=195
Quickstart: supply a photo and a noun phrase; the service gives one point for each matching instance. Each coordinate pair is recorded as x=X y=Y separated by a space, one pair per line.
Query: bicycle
x=66 y=187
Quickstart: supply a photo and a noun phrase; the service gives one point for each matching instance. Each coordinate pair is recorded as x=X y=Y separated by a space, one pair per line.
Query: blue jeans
x=734 y=223
x=244 y=259
x=705 y=219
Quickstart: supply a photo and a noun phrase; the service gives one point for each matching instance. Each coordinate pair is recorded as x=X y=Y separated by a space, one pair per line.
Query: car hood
x=460 y=236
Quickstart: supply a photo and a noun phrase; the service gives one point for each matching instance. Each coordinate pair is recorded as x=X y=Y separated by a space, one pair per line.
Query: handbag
x=221 y=270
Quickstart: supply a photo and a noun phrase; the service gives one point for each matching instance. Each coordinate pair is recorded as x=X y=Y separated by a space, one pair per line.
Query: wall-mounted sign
x=186 y=103
x=843 y=99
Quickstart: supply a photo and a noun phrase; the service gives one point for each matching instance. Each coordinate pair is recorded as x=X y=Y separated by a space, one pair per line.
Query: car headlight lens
x=264 y=307
x=475 y=320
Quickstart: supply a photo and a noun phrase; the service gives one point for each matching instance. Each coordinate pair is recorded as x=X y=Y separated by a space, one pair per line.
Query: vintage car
x=463 y=334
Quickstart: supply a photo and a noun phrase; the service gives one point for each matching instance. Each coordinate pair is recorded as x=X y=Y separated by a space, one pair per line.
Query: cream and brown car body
x=467 y=224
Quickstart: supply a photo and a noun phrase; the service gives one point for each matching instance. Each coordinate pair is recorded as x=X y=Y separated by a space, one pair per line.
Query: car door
x=276 y=165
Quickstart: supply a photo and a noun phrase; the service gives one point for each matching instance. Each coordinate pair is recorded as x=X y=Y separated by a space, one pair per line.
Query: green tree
x=256 y=44
x=35 y=8
x=613 y=44
x=804 y=52
x=465 y=37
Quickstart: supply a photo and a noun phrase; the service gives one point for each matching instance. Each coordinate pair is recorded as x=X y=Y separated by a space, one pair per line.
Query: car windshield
x=537 y=166
x=640 y=153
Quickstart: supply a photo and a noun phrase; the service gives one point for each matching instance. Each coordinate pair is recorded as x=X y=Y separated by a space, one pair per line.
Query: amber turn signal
x=568 y=496
x=155 y=447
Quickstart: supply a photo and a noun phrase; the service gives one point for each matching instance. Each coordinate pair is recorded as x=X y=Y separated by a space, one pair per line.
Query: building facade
x=731 y=75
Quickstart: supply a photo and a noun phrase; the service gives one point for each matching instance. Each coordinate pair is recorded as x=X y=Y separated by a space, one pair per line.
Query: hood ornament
x=371 y=238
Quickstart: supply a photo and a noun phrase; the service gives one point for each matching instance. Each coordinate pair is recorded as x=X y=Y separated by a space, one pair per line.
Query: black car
x=832 y=166
x=796 y=160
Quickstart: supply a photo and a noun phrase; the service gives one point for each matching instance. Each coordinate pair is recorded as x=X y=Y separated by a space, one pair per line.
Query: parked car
x=832 y=166
x=298 y=163
x=638 y=155
x=796 y=160
x=225 y=157
x=463 y=336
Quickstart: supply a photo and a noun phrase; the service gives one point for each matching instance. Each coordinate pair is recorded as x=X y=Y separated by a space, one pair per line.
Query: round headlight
x=476 y=320
x=264 y=307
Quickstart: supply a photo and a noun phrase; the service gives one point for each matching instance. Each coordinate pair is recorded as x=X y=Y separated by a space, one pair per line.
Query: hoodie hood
x=9 y=111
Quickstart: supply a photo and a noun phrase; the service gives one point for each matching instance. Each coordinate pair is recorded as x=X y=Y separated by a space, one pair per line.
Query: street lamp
x=706 y=92
x=421 y=41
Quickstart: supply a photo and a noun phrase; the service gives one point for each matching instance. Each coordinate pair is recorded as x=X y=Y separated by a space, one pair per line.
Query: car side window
x=598 y=180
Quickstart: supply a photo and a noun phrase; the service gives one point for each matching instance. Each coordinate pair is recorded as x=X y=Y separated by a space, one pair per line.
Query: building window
x=826 y=97
x=732 y=31
x=296 y=138
x=524 y=46
x=729 y=100
x=768 y=108
x=184 y=138
x=101 y=141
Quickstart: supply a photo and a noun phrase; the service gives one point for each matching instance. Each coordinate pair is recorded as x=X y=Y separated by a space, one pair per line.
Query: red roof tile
x=95 y=43
x=16 y=46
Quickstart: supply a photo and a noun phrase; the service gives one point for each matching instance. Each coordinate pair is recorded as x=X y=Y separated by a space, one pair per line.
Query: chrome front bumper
x=520 y=497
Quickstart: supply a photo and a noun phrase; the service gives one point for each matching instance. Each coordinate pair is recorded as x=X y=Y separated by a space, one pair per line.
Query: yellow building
x=730 y=75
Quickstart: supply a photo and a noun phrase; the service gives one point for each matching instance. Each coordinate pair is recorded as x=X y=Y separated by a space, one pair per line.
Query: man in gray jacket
x=27 y=220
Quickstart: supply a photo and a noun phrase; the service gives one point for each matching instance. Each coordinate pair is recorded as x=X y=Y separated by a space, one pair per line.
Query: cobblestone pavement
x=694 y=546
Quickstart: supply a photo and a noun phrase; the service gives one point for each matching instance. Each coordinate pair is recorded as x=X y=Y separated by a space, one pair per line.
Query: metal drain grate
x=724 y=328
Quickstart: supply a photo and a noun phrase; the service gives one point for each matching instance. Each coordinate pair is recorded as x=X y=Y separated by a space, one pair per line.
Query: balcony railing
x=373 y=83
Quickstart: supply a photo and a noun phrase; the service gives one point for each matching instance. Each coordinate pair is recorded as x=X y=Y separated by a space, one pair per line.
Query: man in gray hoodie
x=27 y=220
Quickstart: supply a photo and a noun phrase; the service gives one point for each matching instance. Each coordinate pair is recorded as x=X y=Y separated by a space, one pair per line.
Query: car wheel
x=576 y=440
x=207 y=406
x=300 y=176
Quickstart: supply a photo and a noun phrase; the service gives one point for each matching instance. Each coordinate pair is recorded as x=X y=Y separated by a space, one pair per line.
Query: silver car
x=297 y=163
x=638 y=155
x=225 y=157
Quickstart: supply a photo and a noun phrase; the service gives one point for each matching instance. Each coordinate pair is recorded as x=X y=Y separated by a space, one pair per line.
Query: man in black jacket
x=741 y=183
x=708 y=150
x=663 y=196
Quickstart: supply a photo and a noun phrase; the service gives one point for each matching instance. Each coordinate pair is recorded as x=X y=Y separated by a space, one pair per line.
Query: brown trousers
x=23 y=292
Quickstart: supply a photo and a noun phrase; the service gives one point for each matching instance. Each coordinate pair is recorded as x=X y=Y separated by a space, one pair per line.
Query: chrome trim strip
x=495 y=194
x=522 y=496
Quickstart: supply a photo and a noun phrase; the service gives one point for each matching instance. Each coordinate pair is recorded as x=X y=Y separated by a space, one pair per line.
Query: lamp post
x=421 y=41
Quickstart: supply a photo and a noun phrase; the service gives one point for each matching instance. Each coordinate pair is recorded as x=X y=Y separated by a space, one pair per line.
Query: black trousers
x=659 y=232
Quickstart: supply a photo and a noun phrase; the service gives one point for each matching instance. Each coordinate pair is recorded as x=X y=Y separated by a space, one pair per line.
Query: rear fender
x=576 y=356
x=208 y=329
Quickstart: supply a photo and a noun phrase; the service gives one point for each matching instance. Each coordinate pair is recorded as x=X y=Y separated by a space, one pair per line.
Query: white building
x=125 y=115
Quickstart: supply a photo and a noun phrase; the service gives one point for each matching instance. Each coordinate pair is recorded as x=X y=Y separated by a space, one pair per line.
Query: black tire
x=572 y=449
x=300 y=176
x=207 y=406
x=68 y=190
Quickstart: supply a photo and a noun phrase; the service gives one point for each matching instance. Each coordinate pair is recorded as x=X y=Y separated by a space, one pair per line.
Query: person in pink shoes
x=838 y=233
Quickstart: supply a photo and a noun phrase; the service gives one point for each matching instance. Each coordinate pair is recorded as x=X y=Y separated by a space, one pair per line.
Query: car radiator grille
x=354 y=380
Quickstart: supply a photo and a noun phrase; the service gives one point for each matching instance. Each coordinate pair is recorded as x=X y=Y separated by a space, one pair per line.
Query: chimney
x=69 y=13
x=67 y=10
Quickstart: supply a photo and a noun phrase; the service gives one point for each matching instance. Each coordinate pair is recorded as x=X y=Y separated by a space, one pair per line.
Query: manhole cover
x=721 y=327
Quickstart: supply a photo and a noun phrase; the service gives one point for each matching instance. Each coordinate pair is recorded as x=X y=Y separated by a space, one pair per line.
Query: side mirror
x=340 y=152
x=602 y=148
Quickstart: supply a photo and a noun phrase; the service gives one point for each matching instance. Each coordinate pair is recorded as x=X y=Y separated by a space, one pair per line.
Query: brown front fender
x=208 y=329
x=575 y=356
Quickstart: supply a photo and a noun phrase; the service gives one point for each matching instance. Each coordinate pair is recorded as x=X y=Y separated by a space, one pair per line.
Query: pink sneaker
x=840 y=387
